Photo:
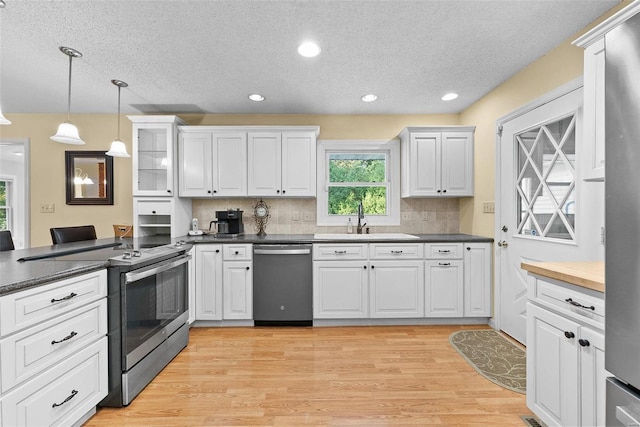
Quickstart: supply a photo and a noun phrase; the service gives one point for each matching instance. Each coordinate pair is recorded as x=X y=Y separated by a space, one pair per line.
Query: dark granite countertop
x=16 y=274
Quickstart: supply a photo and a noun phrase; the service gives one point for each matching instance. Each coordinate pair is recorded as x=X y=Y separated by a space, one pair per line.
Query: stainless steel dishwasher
x=282 y=285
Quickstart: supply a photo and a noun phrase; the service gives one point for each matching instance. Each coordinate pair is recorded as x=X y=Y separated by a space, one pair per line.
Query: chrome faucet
x=360 y=217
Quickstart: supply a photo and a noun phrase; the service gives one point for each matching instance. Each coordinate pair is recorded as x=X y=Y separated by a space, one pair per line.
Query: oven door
x=154 y=305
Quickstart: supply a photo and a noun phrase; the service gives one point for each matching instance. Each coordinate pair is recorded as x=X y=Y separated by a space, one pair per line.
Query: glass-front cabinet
x=154 y=146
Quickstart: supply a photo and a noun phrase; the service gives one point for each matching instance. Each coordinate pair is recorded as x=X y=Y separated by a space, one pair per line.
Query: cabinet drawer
x=62 y=394
x=31 y=306
x=154 y=207
x=443 y=250
x=396 y=251
x=34 y=349
x=239 y=252
x=322 y=251
x=570 y=300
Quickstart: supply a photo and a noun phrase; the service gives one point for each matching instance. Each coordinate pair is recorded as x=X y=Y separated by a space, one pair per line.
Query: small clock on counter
x=261 y=216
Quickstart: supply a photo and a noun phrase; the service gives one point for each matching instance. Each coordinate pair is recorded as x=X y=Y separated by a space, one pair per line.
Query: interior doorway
x=15 y=190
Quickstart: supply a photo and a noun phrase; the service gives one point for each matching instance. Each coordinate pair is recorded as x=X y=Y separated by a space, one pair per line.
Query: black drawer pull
x=68 y=297
x=569 y=334
x=396 y=252
x=237 y=253
x=444 y=263
x=71 y=396
x=577 y=304
x=584 y=343
x=68 y=337
x=340 y=252
x=443 y=252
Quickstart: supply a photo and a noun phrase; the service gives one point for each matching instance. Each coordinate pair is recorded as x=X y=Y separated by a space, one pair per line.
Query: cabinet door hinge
x=499 y=130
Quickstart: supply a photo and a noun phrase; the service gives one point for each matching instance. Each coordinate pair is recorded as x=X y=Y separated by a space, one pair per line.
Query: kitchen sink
x=354 y=236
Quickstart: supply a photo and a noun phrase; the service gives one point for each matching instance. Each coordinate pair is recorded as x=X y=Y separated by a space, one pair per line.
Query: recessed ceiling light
x=309 y=49
x=449 y=96
x=369 y=97
x=256 y=97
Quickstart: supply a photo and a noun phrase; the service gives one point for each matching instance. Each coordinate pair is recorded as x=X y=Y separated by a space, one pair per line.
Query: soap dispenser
x=349 y=227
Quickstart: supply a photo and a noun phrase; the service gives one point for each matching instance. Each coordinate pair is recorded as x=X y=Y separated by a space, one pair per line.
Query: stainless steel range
x=148 y=313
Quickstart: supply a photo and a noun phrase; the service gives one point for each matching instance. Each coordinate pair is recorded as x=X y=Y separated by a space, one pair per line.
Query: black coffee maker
x=230 y=222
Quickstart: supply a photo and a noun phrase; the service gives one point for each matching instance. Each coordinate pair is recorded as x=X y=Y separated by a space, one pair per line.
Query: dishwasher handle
x=281 y=251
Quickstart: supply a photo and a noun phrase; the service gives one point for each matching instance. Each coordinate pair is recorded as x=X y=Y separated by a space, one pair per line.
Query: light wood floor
x=391 y=375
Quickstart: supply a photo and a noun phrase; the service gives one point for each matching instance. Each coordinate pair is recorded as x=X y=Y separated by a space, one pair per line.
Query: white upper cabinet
x=593 y=121
x=437 y=161
x=282 y=163
x=212 y=164
x=154 y=147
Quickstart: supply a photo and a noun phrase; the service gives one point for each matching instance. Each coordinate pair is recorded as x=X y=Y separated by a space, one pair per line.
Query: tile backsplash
x=427 y=216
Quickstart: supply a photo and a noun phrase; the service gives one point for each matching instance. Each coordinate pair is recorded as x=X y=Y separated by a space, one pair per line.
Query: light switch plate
x=47 y=207
x=488 y=207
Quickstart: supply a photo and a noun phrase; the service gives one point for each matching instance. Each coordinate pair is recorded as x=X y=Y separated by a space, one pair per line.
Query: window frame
x=390 y=148
x=10 y=199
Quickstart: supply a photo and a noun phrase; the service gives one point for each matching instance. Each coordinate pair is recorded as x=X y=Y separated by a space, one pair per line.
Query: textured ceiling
x=207 y=56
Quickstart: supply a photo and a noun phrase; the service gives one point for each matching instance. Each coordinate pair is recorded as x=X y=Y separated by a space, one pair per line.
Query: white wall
x=13 y=166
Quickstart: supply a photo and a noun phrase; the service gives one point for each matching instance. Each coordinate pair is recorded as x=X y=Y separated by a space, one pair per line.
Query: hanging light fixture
x=118 y=149
x=67 y=132
x=3 y=119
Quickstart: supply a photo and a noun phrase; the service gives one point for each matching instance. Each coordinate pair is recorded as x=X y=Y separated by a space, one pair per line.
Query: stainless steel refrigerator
x=622 y=220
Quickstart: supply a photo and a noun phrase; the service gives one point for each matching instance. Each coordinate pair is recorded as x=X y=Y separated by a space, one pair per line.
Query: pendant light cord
x=119 y=87
x=69 y=93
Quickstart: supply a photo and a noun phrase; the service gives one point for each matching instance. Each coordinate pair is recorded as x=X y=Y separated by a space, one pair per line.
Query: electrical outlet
x=295 y=216
x=406 y=216
x=308 y=216
x=47 y=208
x=488 y=207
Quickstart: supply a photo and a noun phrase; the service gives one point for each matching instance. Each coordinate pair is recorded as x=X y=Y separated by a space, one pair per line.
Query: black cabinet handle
x=440 y=251
x=373 y=266
x=68 y=297
x=68 y=337
x=444 y=263
x=215 y=191
x=217 y=251
x=237 y=252
x=278 y=191
x=569 y=334
x=168 y=191
x=444 y=191
x=365 y=267
x=584 y=343
x=153 y=212
x=208 y=191
x=439 y=191
x=577 y=304
x=283 y=191
x=247 y=268
x=71 y=396
x=468 y=248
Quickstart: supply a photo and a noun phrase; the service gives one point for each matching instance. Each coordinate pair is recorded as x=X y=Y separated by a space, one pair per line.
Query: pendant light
x=67 y=132
x=3 y=119
x=118 y=149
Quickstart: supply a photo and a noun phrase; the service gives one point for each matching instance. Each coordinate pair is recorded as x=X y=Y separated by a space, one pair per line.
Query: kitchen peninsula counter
x=586 y=274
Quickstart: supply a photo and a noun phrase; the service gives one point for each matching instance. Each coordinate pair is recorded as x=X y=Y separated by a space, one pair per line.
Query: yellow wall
x=48 y=172
x=558 y=67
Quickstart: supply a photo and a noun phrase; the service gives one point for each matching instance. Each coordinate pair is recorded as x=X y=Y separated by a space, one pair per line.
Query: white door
x=537 y=202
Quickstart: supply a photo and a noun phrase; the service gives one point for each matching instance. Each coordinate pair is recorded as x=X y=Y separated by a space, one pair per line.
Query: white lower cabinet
x=191 y=269
x=224 y=282
x=444 y=290
x=393 y=281
x=53 y=352
x=477 y=279
x=208 y=282
x=340 y=290
x=565 y=358
x=396 y=289
x=237 y=290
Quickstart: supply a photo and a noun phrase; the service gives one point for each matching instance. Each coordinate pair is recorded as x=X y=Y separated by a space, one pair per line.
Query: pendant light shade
x=118 y=149
x=4 y=120
x=67 y=132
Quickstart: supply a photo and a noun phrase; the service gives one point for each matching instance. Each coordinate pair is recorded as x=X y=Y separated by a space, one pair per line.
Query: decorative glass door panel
x=545 y=182
x=153 y=159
